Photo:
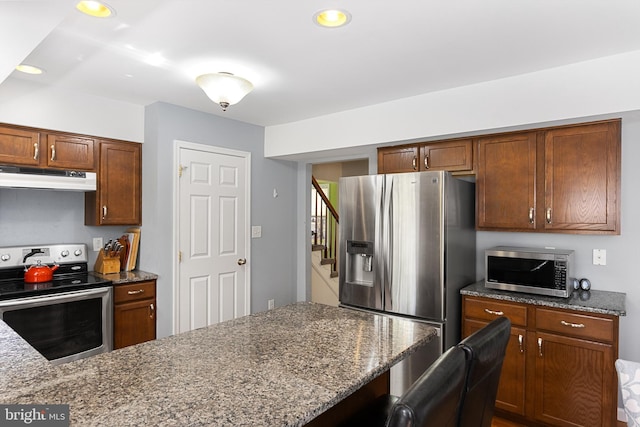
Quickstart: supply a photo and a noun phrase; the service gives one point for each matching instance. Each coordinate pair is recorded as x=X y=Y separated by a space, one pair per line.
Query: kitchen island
x=281 y=367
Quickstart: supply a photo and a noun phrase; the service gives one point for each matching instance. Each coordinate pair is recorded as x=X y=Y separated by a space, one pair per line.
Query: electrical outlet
x=270 y=304
x=599 y=257
x=97 y=243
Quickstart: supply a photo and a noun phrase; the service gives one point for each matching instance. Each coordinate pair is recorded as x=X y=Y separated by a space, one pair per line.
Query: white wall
x=599 y=87
x=29 y=104
x=35 y=216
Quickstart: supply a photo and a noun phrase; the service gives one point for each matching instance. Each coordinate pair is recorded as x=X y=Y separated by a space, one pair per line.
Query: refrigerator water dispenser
x=359 y=268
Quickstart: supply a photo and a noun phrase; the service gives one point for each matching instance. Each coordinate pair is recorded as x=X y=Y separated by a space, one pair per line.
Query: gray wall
x=623 y=252
x=30 y=216
x=272 y=257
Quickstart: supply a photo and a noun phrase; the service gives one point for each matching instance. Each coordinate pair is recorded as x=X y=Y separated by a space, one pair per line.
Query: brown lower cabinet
x=134 y=313
x=559 y=365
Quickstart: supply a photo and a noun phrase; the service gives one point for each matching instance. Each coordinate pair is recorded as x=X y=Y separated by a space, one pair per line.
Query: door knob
x=242 y=261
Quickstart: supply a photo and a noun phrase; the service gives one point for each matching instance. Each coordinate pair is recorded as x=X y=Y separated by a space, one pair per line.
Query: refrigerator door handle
x=387 y=242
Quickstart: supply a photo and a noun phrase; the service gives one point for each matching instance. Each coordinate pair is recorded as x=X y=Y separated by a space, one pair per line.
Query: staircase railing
x=324 y=226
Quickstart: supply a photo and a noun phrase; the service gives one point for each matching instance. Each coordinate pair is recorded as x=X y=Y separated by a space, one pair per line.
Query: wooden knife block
x=106 y=264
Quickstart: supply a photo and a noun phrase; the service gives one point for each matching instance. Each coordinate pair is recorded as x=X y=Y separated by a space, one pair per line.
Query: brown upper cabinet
x=564 y=179
x=398 y=159
x=26 y=147
x=453 y=155
x=70 y=152
x=19 y=146
x=118 y=198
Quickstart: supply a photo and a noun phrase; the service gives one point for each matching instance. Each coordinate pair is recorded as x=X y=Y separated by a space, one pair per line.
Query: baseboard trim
x=621 y=415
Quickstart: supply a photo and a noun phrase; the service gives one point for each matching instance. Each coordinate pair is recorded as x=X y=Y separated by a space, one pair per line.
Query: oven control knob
x=77 y=252
x=5 y=257
x=64 y=253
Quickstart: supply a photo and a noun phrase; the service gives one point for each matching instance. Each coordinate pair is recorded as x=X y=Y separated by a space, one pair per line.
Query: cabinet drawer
x=488 y=309
x=578 y=325
x=134 y=291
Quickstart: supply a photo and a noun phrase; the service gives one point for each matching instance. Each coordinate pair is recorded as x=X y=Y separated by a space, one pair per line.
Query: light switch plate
x=256 y=231
x=599 y=257
x=97 y=243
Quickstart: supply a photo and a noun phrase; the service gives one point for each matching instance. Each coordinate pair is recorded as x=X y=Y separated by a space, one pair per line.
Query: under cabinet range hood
x=46 y=179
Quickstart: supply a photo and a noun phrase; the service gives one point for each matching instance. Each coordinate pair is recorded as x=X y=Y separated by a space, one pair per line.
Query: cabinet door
x=134 y=323
x=118 y=198
x=19 y=147
x=511 y=390
x=450 y=156
x=506 y=182
x=70 y=152
x=398 y=159
x=582 y=178
x=574 y=382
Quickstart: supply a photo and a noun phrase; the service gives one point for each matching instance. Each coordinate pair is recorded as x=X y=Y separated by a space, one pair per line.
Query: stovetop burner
x=71 y=275
x=11 y=289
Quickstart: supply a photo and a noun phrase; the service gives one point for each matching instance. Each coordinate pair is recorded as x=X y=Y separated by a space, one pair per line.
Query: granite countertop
x=593 y=301
x=125 y=277
x=281 y=367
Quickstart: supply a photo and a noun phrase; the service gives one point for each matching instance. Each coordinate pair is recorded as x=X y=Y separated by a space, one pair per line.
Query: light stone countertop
x=593 y=301
x=124 y=277
x=281 y=367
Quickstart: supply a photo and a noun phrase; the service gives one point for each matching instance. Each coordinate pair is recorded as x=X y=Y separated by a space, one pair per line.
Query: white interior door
x=213 y=222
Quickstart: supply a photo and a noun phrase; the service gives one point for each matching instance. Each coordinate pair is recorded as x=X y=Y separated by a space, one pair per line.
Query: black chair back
x=433 y=400
x=485 y=351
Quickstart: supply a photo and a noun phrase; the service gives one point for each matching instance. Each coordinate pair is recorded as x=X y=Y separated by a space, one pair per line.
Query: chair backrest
x=485 y=351
x=434 y=398
x=629 y=379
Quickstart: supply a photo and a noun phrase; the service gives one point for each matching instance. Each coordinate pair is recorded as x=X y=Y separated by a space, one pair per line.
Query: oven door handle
x=51 y=298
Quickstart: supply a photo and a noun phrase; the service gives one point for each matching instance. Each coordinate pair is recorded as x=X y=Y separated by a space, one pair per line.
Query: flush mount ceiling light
x=224 y=88
x=29 y=69
x=95 y=8
x=332 y=18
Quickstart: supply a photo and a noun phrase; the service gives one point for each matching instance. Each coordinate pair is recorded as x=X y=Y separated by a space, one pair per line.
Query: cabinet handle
x=414 y=163
x=573 y=325
x=426 y=162
x=136 y=292
x=152 y=310
x=548 y=215
x=104 y=211
x=495 y=313
x=540 y=346
x=53 y=152
x=36 y=151
x=521 y=342
x=531 y=212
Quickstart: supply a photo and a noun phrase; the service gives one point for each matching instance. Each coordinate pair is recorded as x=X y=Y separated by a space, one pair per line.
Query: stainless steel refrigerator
x=407 y=246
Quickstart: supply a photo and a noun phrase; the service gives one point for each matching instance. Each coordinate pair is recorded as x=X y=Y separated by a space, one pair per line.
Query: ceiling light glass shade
x=224 y=88
x=94 y=8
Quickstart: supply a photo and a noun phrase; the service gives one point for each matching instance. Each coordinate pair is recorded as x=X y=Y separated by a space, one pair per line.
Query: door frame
x=175 y=235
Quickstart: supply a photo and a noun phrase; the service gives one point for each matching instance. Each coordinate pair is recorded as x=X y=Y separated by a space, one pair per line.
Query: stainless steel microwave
x=530 y=270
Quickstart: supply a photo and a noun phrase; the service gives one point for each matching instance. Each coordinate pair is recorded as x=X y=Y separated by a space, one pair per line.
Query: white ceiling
x=300 y=70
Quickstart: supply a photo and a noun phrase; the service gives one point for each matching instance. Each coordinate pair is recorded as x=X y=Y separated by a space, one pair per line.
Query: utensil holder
x=106 y=264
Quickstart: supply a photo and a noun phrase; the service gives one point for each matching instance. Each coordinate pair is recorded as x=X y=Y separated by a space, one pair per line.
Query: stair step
x=318 y=247
x=325 y=261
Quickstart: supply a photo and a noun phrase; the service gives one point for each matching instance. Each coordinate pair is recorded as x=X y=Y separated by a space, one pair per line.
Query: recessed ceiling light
x=332 y=18
x=29 y=69
x=95 y=8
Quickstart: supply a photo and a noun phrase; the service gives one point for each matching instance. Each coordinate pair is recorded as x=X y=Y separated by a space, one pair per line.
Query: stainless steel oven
x=66 y=326
x=66 y=316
